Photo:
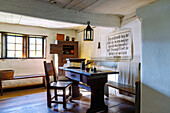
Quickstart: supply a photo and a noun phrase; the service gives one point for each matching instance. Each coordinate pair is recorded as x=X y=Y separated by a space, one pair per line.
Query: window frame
x=43 y=50
x=6 y=47
x=25 y=45
x=1 y=45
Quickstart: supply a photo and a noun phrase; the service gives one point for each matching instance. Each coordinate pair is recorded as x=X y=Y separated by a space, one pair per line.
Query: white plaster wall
x=135 y=26
x=155 y=57
x=29 y=66
x=88 y=49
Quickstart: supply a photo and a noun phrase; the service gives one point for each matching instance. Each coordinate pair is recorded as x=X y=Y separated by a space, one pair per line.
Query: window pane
x=14 y=46
x=32 y=40
x=39 y=47
x=19 y=54
x=18 y=46
x=32 y=47
x=32 y=53
x=35 y=47
x=11 y=39
x=0 y=45
x=39 y=54
x=18 y=39
x=11 y=54
x=11 y=47
x=39 y=41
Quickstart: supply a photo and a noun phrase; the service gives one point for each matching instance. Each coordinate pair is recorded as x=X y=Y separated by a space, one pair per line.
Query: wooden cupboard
x=64 y=49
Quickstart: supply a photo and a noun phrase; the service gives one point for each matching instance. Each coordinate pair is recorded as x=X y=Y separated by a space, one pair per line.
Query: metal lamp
x=88 y=33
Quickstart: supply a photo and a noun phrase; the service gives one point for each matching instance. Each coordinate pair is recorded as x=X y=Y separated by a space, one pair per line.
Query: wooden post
x=1 y=90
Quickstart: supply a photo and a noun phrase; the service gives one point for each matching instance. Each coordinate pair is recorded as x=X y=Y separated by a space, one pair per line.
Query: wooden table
x=96 y=82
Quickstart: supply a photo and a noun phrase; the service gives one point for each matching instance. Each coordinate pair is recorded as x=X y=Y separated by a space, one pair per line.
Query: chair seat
x=60 y=84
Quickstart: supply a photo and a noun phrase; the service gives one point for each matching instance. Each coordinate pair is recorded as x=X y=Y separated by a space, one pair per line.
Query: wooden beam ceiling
x=35 y=8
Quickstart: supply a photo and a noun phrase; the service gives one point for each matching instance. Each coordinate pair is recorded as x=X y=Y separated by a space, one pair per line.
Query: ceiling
x=32 y=21
x=113 y=7
x=118 y=7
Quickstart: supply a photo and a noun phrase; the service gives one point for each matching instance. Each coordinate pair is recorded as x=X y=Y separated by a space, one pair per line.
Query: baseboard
x=22 y=87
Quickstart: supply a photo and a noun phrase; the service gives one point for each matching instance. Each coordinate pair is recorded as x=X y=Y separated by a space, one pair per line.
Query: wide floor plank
x=34 y=101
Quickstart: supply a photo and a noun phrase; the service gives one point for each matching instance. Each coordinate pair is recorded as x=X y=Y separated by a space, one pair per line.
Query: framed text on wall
x=119 y=46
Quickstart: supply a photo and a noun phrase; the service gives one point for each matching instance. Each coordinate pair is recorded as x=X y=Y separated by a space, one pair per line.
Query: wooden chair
x=56 y=85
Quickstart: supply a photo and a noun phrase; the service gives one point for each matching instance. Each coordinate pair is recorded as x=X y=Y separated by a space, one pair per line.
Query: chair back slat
x=50 y=71
x=49 y=68
x=54 y=70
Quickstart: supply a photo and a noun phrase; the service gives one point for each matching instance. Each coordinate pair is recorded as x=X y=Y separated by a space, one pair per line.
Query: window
x=36 y=47
x=14 y=45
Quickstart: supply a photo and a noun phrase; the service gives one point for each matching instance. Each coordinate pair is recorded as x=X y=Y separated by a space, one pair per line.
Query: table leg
x=75 y=89
x=106 y=91
x=97 y=95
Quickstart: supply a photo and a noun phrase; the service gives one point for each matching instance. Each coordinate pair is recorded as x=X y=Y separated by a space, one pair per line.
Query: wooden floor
x=34 y=101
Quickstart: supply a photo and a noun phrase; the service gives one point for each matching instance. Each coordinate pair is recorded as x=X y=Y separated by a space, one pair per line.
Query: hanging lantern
x=88 y=33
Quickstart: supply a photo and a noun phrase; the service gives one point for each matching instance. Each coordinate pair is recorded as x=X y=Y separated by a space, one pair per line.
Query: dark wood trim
x=22 y=87
x=137 y=98
x=25 y=45
x=35 y=46
x=1 y=90
x=23 y=51
x=5 y=45
x=27 y=76
x=43 y=48
x=28 y=47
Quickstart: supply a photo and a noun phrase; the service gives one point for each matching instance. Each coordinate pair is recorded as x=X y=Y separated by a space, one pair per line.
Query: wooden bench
x=132 y=90
x=121 y=87
x=24 y=77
